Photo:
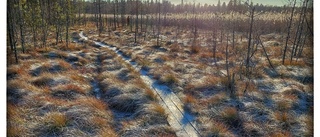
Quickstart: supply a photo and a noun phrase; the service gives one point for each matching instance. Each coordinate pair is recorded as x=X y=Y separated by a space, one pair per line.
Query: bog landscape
x=145 y=68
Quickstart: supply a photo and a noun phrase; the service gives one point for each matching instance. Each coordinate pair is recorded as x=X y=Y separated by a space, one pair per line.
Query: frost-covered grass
x=50 y=93
x=275 y=103
x=53 y=96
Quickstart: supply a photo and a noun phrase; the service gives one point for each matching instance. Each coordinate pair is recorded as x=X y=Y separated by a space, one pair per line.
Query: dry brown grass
x=175 y=47
x=42 y=81
x=150 y=94
x=284 y=118
x=299 y=63
x=189 y=99
x=44 y=49
x=195 y=49
x=21 y=69
x=15 y=131
x=218 y=129
x=310 y=126
x=206 y=54
x=98 y=121
x=51 y=100
x=65 y=65
x=216 y=99
x=144 y=63
x=93 y=103
x=159 y=109
x=139 y=83
x=107 y=132
x=276 y=51
x=241 y=86
x=220 y=55
x=71 y=46
x=291 y=94
x=230 y=116
x=169 y=79
x=73 y=87
x=164 y=58
x=77 y=77
x=56 y=120
x=283 y=105
x=211 y=80
x=15 y=121
x=280 y=134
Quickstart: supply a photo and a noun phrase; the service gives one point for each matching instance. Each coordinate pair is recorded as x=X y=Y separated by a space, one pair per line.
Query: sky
x=264 y=2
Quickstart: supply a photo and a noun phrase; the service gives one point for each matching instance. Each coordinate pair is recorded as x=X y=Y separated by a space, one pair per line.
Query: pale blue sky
x=264 y=2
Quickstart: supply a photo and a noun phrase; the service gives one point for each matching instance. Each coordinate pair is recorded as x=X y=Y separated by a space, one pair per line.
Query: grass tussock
x=230 y=116
x=283 y=105
x=71 y=46
x=242 y=85
x=63 y=64
x=195 y=49
x=216 y=99
x=169 y=79
x=56 y=121
x=150 y=94
x=309 y=125
x=281 y=134
x=175 y=47
x=44 y=49
x=98 y=122
x=285 y=119
x=15 y=121
x=299 y=63
x=206 y=55
x=218 y=129
x=42 y=81
x=15 y=131
x=189 y=99
x=144 y=63
x=126 y=102
x=107 y=132
x=77 y=77
x=73 y=87
x=159 y=109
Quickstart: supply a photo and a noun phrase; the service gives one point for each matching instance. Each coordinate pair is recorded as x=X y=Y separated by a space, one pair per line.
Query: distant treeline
x=150 y=6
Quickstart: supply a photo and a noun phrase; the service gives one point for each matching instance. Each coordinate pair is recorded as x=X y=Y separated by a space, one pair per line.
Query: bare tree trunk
x=265 y=52
x=117 y=13
x=114 y=16
x=131 y=22
x=100 y=18
x=96 y=14
x=21 y=26
x=288 y=33
x=158 y=44
x=249 y=41
x=122 y=13
x=230 y=83
x=194 y=24
x=137 y=25
x=79 y=10
x=58 y=24
x=298 y=32
x=33 y=25
x=11 y=29
x=43 y=22
x=302 y=46
x=214 y=44
x=141 y=12
x=67 y=22
x=233 y=31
